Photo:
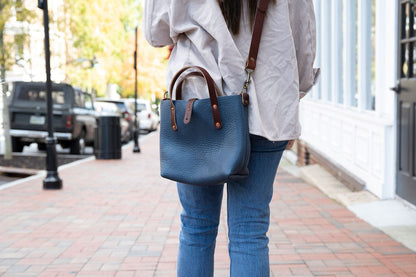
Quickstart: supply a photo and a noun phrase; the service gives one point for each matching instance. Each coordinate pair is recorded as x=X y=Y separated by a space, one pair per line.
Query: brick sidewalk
x=119 y=218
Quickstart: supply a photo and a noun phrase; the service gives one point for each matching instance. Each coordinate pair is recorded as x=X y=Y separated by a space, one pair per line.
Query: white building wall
x=32 y=67
x=349 y=132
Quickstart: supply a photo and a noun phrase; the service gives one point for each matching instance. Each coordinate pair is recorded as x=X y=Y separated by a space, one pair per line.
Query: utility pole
x=52 y=180
x=136 y=148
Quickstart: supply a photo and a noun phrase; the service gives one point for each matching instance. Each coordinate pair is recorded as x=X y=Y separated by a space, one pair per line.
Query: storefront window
x=348 y=59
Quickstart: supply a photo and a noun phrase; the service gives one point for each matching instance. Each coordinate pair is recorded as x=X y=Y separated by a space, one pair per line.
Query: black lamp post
x=136 y=148
x=52 y=180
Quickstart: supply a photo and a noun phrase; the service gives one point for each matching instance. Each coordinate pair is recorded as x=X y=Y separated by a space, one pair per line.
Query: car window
x=79 y=98
x=121 y=106
x=129 y=107
x=141 y=107
x=88 y=101
x=58 y=97
x=107 y=107
x=130 y=103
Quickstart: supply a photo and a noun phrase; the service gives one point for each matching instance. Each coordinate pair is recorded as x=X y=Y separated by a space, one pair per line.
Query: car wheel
x=78 y=145
x=65 y=144
x=130 y=135
x=17 y=145
x=41 y=146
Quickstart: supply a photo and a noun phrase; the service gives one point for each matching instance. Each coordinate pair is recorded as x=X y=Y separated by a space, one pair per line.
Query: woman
x=216 y=35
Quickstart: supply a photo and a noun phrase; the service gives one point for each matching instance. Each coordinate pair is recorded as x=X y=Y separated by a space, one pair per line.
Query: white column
x=336 y=54
x=350 y=52
x=364 y=54
x=386 y=77
x=326 y=49
x=386 y=56
x=316 y=90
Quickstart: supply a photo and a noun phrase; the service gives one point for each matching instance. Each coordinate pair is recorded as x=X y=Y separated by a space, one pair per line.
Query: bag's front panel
x=198 y=153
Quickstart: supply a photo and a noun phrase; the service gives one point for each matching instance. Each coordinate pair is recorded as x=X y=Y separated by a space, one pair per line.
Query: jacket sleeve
x=302 y=21
x=156 y=22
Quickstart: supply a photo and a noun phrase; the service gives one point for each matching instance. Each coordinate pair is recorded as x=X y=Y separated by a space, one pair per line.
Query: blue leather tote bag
x=204 y=141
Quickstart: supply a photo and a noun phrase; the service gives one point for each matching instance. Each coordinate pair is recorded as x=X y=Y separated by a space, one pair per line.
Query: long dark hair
x=231 y=10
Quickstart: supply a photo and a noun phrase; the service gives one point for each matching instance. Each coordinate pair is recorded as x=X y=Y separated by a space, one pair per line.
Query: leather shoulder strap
x=256 y=36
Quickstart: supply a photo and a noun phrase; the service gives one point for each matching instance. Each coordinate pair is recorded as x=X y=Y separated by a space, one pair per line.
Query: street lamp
x=52 y=180
x=136 y=148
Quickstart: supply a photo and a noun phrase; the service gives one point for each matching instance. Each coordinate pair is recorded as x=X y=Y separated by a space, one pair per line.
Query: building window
x=346 y=52
x=408 y=66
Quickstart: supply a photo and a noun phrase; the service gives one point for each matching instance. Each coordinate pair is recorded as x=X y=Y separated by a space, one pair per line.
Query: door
x=406 y=104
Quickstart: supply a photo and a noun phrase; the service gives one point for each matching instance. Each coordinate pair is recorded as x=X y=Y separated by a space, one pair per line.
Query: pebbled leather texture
x=199 y=154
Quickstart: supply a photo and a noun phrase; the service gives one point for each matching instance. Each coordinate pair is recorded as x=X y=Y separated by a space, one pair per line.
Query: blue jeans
x=248 y=218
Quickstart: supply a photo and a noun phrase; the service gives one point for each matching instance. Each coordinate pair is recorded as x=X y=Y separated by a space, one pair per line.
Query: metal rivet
x=174 y=127
x=214 y=107
x=252 y=59
x=217 y=125
x=172 y=108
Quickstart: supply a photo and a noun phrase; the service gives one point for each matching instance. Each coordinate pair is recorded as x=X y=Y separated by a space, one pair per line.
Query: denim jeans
x=247 y=212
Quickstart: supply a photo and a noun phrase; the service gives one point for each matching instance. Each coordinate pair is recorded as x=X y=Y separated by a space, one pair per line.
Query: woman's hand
x=290 y=144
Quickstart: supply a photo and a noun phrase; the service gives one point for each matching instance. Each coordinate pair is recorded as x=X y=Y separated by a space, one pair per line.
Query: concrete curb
x=327 y=183
x=395 y=217
x=42 y=173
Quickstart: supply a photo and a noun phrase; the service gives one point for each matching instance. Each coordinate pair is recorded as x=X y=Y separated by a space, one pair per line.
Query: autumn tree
x=105 y=30
x=151 y=67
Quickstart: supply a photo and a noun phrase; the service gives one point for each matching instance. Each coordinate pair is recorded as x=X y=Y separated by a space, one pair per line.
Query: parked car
x=126 y=112
x=74 y=118
x=111 y=108
x=149 y=120
x=130 y=105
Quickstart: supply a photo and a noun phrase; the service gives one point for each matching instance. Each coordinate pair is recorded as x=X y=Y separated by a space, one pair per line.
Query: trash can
x=107 y=141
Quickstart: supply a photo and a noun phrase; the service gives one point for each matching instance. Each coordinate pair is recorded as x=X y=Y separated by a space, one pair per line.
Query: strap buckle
x=248 y=80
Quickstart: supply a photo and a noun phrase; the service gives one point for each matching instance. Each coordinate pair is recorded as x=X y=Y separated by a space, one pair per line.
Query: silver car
x=149 y=120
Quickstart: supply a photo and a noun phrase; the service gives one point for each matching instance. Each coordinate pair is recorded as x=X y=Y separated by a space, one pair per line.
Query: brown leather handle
x=178 y=92
x=211 y=90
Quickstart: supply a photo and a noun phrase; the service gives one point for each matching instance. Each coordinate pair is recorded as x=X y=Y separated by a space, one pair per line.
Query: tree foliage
x=105 y=30
x=151 y=68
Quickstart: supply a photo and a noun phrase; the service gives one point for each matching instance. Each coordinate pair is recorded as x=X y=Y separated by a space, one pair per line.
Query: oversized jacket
x=284 y=71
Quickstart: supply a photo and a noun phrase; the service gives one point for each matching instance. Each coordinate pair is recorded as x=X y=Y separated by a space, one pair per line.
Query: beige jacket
x=284 y=70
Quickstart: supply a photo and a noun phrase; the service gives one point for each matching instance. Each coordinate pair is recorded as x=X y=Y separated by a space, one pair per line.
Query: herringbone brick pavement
x=119 y=218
